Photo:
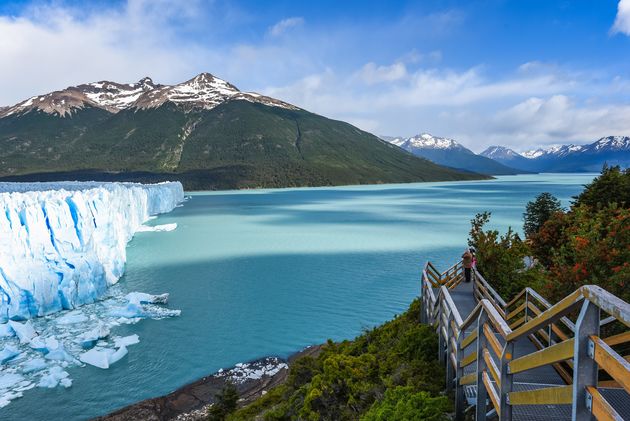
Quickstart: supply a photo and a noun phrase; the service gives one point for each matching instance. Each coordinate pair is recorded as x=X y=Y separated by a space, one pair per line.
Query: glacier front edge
x=63 y=244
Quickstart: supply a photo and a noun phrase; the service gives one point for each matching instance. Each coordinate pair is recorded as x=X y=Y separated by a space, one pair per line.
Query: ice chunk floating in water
x=45 y=347
x=63 y=244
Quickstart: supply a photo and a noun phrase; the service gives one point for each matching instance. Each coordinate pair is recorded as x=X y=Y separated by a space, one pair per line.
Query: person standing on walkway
x=467 y=259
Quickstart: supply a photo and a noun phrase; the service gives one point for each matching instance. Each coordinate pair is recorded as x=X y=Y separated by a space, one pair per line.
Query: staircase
x=527 y=359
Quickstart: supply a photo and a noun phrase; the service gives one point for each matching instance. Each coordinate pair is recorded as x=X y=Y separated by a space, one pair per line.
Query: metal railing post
x=423 y=308
x=449 y=349
x=584 y=366
x=482 y=393
x=526 y=306
x=506 y=382
x=459 y=373
x=439 y=329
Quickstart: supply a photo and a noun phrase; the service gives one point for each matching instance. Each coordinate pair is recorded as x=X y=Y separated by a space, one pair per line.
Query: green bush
x=348 y=378
x=612 y=186
x=500 y=258
x=404 y=403
x=226 y=403
x=538 y=211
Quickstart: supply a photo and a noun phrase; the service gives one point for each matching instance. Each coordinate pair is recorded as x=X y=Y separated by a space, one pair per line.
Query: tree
x=538 y=212
x=611 y=186
x=227 y=401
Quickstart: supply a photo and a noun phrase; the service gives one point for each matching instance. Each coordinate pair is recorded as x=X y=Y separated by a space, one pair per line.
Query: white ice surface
x=63 y=244
x=58 y=342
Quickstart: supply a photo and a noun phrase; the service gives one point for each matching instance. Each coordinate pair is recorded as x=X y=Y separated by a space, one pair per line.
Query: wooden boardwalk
x=523 y=336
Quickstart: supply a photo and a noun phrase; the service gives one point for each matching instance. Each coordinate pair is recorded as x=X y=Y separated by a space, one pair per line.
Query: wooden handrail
x=564 y=306
x=609 y=360
x=541 y=326
x=451 y=304
x=556 y=395
x=558 y=352
x=601 y=409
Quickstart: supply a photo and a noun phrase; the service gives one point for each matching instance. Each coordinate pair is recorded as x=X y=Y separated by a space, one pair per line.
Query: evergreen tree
x=538 y=212
x=227 y=401
x=611 y=186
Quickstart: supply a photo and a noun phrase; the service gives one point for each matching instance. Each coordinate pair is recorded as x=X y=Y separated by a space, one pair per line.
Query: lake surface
x=268 y=272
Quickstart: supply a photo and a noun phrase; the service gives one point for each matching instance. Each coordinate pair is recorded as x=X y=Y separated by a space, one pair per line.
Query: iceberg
x=24 y=331
x=8 y=353
x=158 y=228
x=56 y=375
x=126 y=340
x=63 y=244
x=34 y=365
x=103 y=358
x=90 y=338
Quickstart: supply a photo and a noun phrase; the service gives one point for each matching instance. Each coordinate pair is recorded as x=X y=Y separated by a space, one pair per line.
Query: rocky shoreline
x=191 y=402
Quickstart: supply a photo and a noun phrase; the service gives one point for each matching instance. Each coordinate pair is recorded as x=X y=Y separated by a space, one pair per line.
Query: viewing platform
x=536 y=363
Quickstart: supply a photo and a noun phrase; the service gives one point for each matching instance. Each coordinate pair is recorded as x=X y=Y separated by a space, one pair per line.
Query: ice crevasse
x=63 y=244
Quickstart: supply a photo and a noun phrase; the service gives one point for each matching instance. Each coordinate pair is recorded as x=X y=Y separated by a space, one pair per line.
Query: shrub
x=404 y=403
x=538 y=211
x=227 y=401
x=500 y=258
x=611 y=186
x=347 y=378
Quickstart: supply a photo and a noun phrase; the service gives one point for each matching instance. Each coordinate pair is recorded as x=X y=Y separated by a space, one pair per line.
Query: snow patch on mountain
x=63 y=244
x=605 y=144
x=500 y=152
x=204 y=91
x=116 y=96
x=425 y=141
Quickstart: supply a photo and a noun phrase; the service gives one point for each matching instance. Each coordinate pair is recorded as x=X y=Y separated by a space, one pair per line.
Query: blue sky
x=519 y=73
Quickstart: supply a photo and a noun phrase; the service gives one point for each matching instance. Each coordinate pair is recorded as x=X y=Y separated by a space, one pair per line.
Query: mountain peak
x=499 y=152
x=426 y=141
x=612 y=142
x=204 y=91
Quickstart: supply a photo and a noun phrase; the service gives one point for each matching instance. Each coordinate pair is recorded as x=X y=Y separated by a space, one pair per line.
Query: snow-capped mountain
x=605 y=144
x=450 y=153
x=204 y=91
x=426 y=141
x=499 y=152
x=204 y=132
x=557 y=151
x=611 y=150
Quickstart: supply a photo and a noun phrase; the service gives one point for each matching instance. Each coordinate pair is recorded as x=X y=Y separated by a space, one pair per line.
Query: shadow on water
x=269 y=272
x=235 y=310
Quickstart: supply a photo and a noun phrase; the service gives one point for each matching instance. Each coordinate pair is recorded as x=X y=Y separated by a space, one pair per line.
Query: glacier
x=63 y=244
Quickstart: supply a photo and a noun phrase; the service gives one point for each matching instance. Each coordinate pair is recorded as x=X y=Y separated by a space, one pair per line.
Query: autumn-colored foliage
x=588 y=244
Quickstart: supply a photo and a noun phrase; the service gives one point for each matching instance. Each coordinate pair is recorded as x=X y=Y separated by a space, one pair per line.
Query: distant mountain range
x=203 y=132
x=448 y=152
x=611 y=150
x=500 y=160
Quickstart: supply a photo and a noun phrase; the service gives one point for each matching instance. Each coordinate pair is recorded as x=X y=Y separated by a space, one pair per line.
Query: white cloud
x=622 y=21
x=285 y=24
x=50 y=48
x=558 y=117
x=371 y=73
x=536 y=104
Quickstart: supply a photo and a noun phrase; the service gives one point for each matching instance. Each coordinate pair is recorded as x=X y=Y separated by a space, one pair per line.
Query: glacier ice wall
x=63 y=244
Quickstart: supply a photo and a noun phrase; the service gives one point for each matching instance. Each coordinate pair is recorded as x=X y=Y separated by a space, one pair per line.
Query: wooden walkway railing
x=488 y=335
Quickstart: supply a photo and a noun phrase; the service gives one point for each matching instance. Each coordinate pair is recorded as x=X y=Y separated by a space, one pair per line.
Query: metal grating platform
x=538 y=378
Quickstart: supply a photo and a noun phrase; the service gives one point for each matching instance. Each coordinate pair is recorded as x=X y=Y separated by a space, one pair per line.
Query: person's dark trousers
x=467 y=273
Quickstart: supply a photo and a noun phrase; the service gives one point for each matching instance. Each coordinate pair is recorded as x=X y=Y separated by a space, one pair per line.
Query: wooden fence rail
x=575 y=350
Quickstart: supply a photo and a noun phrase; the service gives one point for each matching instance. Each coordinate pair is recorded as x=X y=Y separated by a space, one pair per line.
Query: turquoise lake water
x=268 y=272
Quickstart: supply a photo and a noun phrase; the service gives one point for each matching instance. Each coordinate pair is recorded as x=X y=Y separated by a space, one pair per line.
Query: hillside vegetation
x=388 y=373
x=238 y=144
x=586 y=244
